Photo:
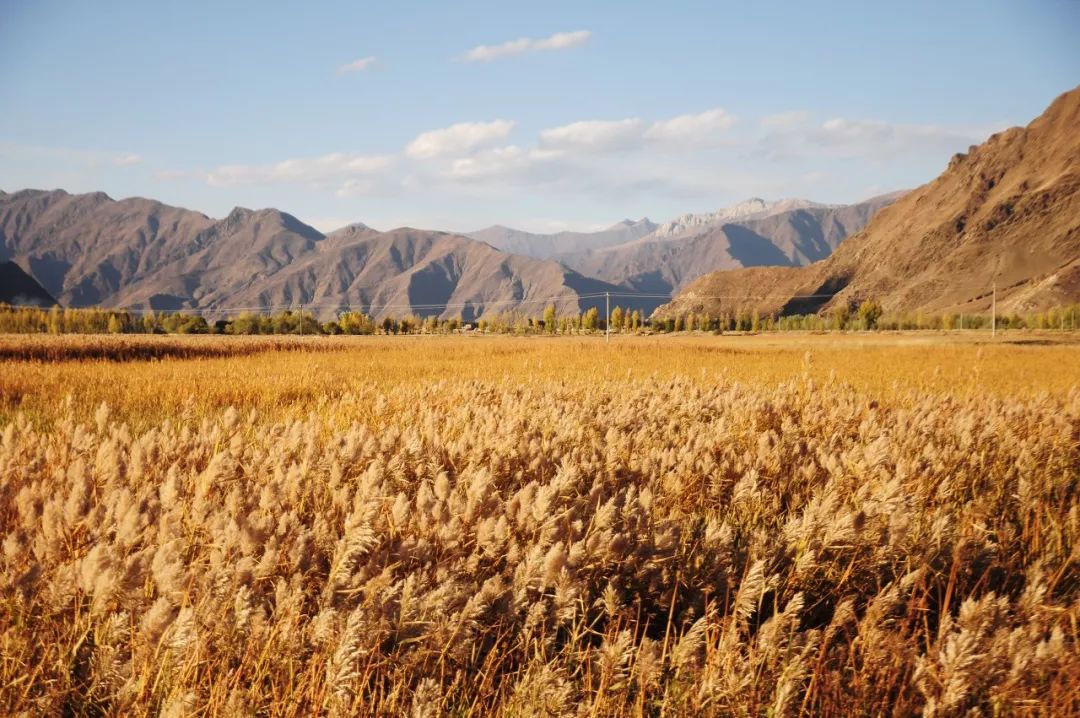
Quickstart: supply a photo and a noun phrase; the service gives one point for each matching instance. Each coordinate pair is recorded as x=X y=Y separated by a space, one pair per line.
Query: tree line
x=867 y=316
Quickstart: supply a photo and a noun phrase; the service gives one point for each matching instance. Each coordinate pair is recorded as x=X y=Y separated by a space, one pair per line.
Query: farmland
x=795 y=524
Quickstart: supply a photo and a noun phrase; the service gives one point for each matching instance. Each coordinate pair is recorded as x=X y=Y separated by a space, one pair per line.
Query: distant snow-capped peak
x=753 y=208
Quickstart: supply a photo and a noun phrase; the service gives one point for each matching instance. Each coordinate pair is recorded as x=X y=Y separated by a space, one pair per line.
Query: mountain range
x=1005 y=214
x=786 y=233
x=548 y=246
x=90 y=249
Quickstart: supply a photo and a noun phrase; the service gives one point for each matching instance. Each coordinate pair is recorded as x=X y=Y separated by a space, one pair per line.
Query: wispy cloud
x=594 y=135
x=510 y=161
x=127 y=159
x=364 y=63
x=334 y=167
x=689 y=131
x=782 y=120
x=90 y=159
x=462 y=137
x=791 y=136
x=703 y=128
x=558 y=41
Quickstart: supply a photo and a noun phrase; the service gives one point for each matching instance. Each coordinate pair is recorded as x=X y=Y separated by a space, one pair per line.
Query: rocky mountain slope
x=1007 y=212
x=753 y=208
x=91 y=250
x=546 y=246
x=793 y=237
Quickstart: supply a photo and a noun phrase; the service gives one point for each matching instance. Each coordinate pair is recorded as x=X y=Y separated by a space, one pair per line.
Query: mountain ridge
x=92 y=250
x=786 y=238
x=1006 y=214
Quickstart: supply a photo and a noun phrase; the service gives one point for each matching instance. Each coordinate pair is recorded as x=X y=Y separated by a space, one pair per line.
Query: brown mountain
x=92 y=250
x=788 y=238
x=19 y=289
x=546 y=246
x=1006 y=212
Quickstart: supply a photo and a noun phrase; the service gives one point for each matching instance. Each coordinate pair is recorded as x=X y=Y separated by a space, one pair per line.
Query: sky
x=542 y=116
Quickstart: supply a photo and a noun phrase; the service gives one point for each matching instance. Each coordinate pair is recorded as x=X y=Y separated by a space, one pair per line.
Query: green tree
x=870 y=312
x=549 y=319
x=617 y=318
x=841 y=315
x=591 y=319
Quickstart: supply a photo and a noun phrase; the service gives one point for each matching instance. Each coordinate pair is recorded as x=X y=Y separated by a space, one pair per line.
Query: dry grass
x=677 y=526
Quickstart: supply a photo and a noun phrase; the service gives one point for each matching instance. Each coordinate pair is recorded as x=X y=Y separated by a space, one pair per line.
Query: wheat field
x=732 y=526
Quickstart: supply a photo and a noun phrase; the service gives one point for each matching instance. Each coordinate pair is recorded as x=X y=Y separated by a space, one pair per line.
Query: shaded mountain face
x=91 y=250
x=1007 y=213
x=18 y=288
x=546 y=246
x=789 y=238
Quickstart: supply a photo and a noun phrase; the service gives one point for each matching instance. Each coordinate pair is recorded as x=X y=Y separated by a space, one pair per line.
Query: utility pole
x=607 y=311
x=993 y=314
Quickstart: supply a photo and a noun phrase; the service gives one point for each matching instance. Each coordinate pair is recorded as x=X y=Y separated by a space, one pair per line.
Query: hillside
x=547 y=246
x=794 y=237
x=19 y=288
x=1007 y=213
x=91 y=250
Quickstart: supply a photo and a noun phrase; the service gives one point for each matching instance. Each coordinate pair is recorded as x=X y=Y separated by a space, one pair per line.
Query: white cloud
x=563 y=40
x=867 y=138
x=327 y=168
x=364 y=63
x=506 y=162
x=127 y=159
x=90 y=159
x=594 y=135
x=703 y=128
x=783 y=120
x=462 y=137
x=558 y=41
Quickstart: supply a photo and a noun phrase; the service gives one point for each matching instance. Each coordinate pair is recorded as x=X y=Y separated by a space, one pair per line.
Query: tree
x=549 y=318
x=115 y=327
x=591 y=320
x=841 y=315
x=869 y=314
x=617 y=318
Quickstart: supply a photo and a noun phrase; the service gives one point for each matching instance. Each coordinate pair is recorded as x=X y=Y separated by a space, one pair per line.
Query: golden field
x=863 y=524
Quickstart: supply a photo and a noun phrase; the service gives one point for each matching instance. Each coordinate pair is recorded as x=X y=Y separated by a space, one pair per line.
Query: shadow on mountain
x=49 y=272
x=585 y=285
x=811 y=242
x=19 y=288
x=166 y=302
x=653 y=282
x=752 y=250
x=304 y=230
x=811 y=302
x=431 y=288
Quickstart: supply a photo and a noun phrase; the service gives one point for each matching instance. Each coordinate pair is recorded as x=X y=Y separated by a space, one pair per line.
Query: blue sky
x=539 y=115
